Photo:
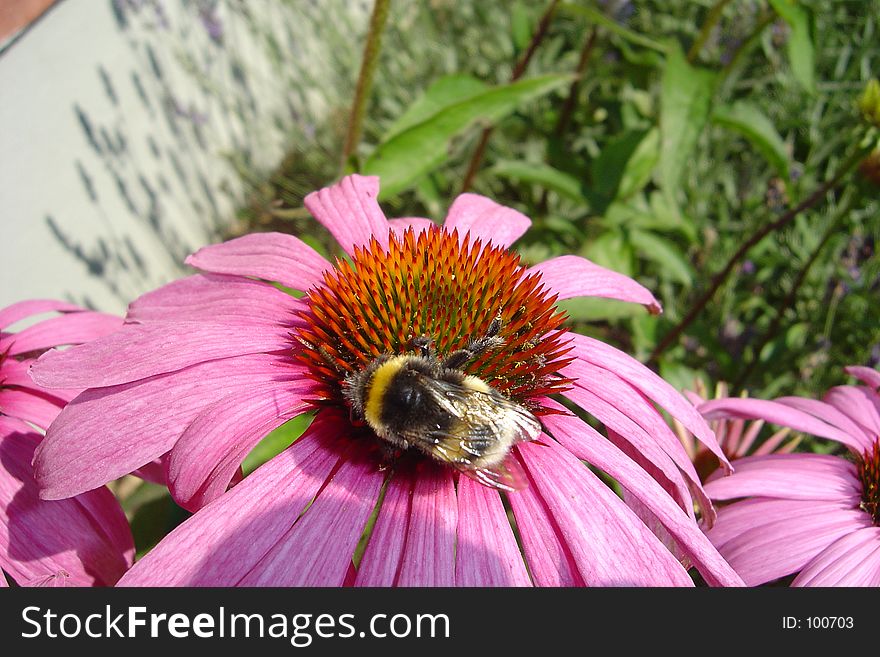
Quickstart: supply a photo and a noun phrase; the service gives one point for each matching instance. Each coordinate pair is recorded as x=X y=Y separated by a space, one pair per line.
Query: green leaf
x=424 y=146
x=801 y=52
x=598 y=18
x=611 y=249
x=746 y=119
x=276 y=442
x=442 y=93
x=540 y=174
x=608 y=169
x=673 y=265
x=684 y=110
x=640 y=166
x=520 y=26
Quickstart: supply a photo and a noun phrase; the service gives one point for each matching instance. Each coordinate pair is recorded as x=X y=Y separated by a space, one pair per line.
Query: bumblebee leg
x=475 y=347
x=424 y=344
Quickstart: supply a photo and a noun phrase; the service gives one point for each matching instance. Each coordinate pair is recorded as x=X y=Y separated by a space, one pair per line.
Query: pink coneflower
x=736 y=436
x=206 y=366
x=813 y=514
x=82 y=541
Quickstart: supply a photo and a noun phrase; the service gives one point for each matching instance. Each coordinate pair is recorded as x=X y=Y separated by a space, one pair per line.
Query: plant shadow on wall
x=196 y=98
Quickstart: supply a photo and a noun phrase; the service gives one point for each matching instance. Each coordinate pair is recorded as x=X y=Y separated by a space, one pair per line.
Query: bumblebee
x=421 y=401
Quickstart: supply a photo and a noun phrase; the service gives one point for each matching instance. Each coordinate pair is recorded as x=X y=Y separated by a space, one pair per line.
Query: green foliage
x=442 y=117
x=660 y=165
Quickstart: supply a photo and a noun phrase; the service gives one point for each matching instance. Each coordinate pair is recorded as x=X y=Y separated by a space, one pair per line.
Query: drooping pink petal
x=15 y=374
x=276 y=257
x=486 y=553
x=350 y=211
x=588 y=445
x=858 y=402
x=830 y=415
x=770 y=445
x=867 y=375
x=643 y=442
x=549 y=558
x=648 y=383
x=37 y=409
x=609 y=543
x=139 y=351
x=72 y=328
x=572 y=276
x=91 y=442
x=382 y=558
x=215 y=298
x=782 y=540
x=429 y=553
x=87 y=537
x=748 y=439
x=220 y=545
x=19 y=311
x=210 y=450
x=789 y=476
x=401 y=225
x=486 y=220
x=853 y=560
x=776 y=413
x=154 y=471
x=317 y=550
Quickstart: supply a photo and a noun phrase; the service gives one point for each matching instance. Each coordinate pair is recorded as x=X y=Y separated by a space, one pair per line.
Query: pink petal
x=571 y=276
x=830 y=415
x=770 y=445
x=429 y=554
x=210 y=450
x=25 y=405
x=95 y=546
x=549 y=558
x=220 y=545
x=15 y=374
x=645 y=446
x=775 y=544
x=108 y=432
x=19 y=311
x=486 y=220
x=72 y=328
x=215 y=299
x=317 y=550
x=350 y=211
x=274 y=257
x=853 y=560
x=382 y=558
x=609 y=543
x=486 y=552
x=588 y=445
x=791 y=477
x=776 y=413
x=858 y=402
x=648 y=383
x=140 y=351
x=418 y=224
x=867 y=375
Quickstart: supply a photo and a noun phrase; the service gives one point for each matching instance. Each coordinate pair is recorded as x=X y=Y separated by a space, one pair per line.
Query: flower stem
x=786 y=218
x=365 y=79
x=711 y=21
x=518 y=70
x=789 y=300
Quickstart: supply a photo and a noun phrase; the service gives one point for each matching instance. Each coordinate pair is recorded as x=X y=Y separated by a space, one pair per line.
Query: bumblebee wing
x=483 y=423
